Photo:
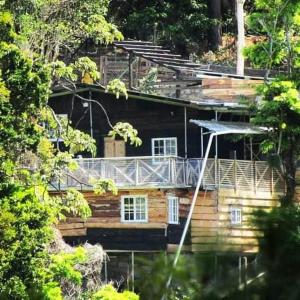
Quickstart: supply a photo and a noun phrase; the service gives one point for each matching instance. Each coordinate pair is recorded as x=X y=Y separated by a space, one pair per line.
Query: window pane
x=134 y=209
x=173 y=210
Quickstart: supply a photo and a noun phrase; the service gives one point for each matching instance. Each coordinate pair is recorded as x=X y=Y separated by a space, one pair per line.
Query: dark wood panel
x=151 y=119
x=123 y=239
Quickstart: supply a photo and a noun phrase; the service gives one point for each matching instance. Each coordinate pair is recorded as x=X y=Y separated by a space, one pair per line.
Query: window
x=173 y=210
x=164 y=146
x=134 y=209
x=236 y=215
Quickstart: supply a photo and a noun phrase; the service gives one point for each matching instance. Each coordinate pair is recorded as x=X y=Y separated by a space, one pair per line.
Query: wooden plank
x=126 y=225
x=120 y=148
x=109 y=147
x=73 y=232
x=174 y=247
x=64 y=226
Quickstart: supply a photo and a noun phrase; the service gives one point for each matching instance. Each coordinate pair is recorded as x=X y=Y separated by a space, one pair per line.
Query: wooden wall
x=228 y=89
x=211 y=228
x=105 y=226
x=151 y=119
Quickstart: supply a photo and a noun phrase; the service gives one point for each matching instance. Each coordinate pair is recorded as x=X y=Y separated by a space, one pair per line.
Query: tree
x=241 y=36
x=279 y=108
x=181 y=25
x=28 y=160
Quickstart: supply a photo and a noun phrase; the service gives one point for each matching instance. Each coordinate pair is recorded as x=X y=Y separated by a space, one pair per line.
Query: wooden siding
x=151 y=119
x=211 y=228
x=105 y=225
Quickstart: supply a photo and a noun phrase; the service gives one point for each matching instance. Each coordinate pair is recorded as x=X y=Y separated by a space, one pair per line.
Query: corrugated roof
x=175 y=62
x=230 y=127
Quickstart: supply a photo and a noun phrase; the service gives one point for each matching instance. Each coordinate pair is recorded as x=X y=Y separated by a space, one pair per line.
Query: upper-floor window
x=235 y=215
x=164 y=146
x=134 y=209
x=173 y=210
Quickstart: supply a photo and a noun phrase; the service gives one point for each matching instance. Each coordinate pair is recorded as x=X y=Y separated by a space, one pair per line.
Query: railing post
x=136 y=172
x=272 y=181
x=200 y=166
x=235 y=174
x=254 y=176
x=184 y=172
x=173 y=169
x=216 y=172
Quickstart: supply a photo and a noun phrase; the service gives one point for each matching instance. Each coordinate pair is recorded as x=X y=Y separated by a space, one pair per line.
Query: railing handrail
x=128 y=158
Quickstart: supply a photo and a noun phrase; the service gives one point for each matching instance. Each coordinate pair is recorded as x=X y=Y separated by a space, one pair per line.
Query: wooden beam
x=146 y=50
x=141 y=53
x=163 y=58
x=128 y=42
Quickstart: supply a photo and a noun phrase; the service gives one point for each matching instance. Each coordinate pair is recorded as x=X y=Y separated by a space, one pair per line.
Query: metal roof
x=175 y=62
x=230 y=127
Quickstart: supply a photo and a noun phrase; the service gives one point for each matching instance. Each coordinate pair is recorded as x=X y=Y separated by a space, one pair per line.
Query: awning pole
x=188 y=221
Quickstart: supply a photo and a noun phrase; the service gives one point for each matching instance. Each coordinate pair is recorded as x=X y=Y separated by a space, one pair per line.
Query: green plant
x=108 y=292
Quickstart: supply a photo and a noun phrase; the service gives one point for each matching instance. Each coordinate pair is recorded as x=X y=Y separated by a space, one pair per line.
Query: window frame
x=134 y=209
x=236 y=216
x=164 y=139
x=173 y=218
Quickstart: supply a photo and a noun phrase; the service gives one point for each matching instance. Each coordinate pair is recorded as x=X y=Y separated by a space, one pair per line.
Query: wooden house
x=156 y=181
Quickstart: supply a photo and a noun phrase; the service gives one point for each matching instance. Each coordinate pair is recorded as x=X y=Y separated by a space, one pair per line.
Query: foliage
x=278 y=26
x=25 y=230
x=279 y=108
x=180 y=24
x=278 y=253
x=117 y=87
x=52 y=28
x=108 y=292
x=186 y=278
x=147 y=84
x=126 y=132
x=28 y=162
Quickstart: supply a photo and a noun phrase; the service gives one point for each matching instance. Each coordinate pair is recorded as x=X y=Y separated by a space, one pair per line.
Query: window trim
x=123 y=209
x=235 y=220
x=164 y=139
x=170 y=210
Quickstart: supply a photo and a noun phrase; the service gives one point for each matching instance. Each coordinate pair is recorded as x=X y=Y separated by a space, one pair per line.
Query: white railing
x=236 y=174
x=131 y=171
x=176 y=172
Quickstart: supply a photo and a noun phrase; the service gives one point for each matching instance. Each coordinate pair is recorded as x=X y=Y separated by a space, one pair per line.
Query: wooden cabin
x=157 y=180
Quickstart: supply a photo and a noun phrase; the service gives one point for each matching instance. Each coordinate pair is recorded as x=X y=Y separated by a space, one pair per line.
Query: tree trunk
x=214 y=13
x=240 y=64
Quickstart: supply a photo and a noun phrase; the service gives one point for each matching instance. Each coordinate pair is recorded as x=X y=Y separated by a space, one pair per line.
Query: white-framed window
x=235 y=215
x=164 y=146
x=134 y=208
x=173 y=210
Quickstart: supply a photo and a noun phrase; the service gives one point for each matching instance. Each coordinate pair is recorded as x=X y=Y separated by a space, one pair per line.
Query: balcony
x=175 y=172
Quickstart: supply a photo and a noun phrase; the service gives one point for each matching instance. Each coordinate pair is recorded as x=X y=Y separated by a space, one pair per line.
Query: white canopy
x=229 y=127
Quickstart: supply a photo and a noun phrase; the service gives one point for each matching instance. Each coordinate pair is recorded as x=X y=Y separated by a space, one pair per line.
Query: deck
x=175 y=172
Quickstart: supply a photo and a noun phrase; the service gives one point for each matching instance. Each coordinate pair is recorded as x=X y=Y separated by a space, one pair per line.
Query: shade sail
x=229 y=127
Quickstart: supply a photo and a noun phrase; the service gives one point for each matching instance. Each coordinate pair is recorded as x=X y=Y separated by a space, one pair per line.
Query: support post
x=132 y=270
x=185 y=132
x=91 y=114
x=241 y=37
x=130 y=68
x=189 y=217
x=201 y=142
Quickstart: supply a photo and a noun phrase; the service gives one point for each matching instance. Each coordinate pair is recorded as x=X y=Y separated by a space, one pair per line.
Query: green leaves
x=126 y=132
x=108 y=292
x=117 y=87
